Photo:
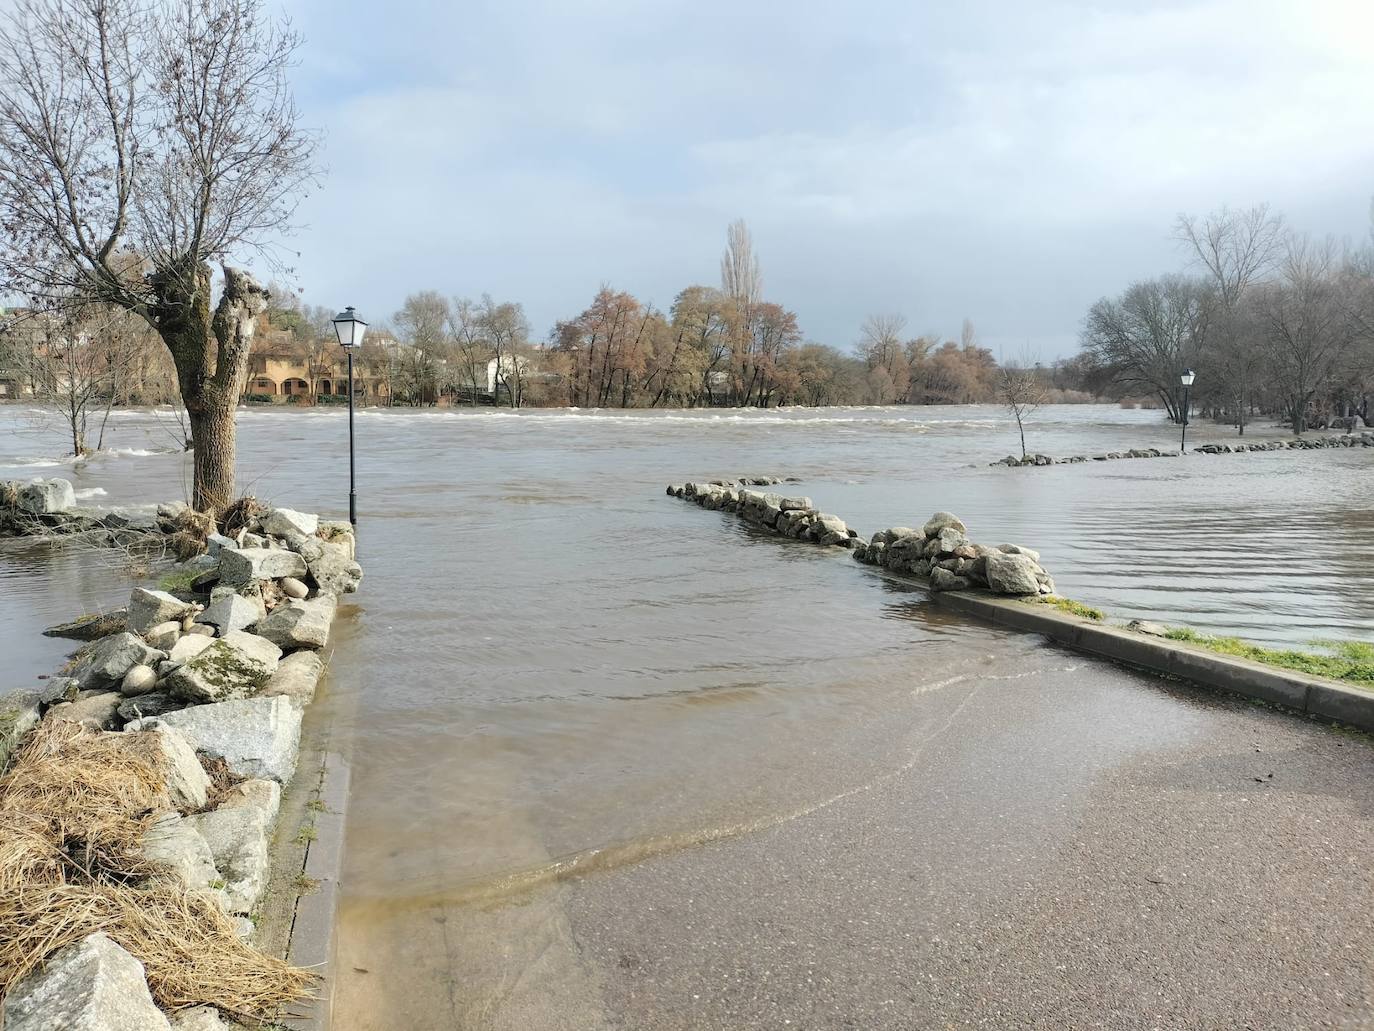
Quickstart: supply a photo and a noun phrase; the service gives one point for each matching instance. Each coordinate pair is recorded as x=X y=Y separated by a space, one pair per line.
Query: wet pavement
x=1049 y=843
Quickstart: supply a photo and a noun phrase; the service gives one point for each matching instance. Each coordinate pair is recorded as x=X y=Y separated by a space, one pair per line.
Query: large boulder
x=188 y=785
x=47 y=497
x=237 y=665
x=110 y=658
x=230 y=612
x=280 y=522
x=98 y=709
x=248 y=564
x=93 y=985
x=188 y=648
x=950 y=540
x=330 y=565
x=256 y=737
x=944 y=580
x=943 y=520
x=173 y=842
x=255 y=793
x=149 y=608
x=19 y=713
x=340 y=532
x=237 y=836
x=297 y=676
x=145 y=705
x=92 y=627
x=300 y=624
x=1012 y=574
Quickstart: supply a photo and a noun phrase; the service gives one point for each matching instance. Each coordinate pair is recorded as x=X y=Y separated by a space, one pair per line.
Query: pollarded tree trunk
x=210 y=353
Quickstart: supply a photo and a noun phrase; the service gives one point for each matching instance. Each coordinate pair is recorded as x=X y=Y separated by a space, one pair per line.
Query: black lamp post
x=350 y=329
x=1187 y=380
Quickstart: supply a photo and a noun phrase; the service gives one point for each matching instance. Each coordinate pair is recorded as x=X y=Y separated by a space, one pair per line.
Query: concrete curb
x=312 y=930
x=1316 y=696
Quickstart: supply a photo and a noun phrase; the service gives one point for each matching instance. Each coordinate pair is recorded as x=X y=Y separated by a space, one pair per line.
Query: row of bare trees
x=1273 y=321
x=86 y=361
x=723 y=345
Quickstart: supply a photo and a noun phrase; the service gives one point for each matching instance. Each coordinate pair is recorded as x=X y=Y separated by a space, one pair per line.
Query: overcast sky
x=1006 y=161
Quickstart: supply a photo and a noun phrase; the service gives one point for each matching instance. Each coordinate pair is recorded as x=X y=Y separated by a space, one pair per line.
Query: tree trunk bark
x=211 y=358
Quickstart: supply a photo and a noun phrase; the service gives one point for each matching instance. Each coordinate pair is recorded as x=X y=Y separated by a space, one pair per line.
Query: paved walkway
x=1058 y=843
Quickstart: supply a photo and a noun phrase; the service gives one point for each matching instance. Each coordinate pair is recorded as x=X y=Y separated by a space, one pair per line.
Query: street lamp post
x=350 y=329
x=1187 y=380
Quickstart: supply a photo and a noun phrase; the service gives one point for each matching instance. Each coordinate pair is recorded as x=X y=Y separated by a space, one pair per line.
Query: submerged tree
x=139 y=144
x=1022 y=389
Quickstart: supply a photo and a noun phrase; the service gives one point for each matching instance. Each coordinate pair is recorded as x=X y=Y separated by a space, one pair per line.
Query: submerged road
x=1042 y=841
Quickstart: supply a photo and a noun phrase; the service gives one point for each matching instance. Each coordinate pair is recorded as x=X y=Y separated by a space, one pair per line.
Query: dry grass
x=74 y=808
x=189 y=533
x=240 y=514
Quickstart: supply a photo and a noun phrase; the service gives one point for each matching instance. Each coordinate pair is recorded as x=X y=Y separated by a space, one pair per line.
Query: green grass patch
x=1351 y=661
x=1073 y=608
x=178 y=582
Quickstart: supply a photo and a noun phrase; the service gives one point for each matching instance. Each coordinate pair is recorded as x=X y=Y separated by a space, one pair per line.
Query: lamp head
x=349 y=328
x=1187 y=378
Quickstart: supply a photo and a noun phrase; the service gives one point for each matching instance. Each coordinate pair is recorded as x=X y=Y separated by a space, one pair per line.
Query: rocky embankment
x=205 y=683
x=940 y=553
x=1293 y=444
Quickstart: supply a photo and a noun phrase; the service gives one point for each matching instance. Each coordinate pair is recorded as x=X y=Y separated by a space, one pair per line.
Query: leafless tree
x=1022 y=388
x=1307 y=325
x=76 y=360
x=471 y=348
x=740 y=278
x=422 y=323
x=880 y=344
x=1150 y=334
x=507 y=333
x=1236 y=249
x=140 y=142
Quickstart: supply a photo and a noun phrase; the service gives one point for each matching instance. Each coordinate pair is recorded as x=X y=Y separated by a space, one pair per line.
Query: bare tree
x=740 y=279
x=1236 y=249
x=1022 y=388
x=1150 y=334
x=968 y=336
x=472 y=349
x=139 y=144
x=423 y=324
x=1307 y=324
x=507 y=333
x=76 y=361
x=880 y=344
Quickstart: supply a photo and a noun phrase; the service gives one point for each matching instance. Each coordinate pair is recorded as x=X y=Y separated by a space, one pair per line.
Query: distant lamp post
x=1187 y=380
x=350 y=329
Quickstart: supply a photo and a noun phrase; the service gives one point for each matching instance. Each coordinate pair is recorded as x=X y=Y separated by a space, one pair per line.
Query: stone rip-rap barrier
x=987 y=583
x=211 y=677
x=1292 y=444
x=939 y=552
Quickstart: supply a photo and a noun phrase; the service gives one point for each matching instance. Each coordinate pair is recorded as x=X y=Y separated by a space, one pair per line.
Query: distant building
x=283 y=370
x=511 y=365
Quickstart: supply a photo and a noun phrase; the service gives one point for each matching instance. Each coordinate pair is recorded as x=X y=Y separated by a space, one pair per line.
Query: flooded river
x=552 y=668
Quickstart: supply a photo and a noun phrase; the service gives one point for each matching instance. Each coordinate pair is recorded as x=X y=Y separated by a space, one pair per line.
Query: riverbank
x=981 y=581
x=213 y=828
x=1345 y=440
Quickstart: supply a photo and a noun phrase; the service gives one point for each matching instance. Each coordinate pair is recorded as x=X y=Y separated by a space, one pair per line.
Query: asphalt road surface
x=1048 y=842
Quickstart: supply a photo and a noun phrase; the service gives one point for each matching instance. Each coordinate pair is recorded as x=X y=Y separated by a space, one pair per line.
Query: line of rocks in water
x=940 y=552
x=1293 y=444
x=219 y=673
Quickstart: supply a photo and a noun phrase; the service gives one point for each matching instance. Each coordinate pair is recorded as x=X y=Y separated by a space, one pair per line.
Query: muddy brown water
x=554 y=674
